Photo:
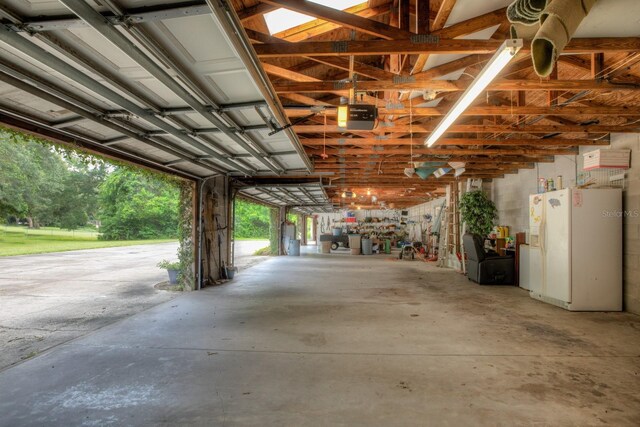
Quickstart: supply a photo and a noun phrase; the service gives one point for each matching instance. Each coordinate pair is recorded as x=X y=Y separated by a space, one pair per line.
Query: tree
x=31 y=176
x=47 y=184
x=138 y=205
x=252 y=220
x=478 y=212
x=78 y=200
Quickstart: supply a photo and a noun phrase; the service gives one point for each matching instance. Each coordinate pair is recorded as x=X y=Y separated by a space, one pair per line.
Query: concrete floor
x=51 y=298
x=339 y=340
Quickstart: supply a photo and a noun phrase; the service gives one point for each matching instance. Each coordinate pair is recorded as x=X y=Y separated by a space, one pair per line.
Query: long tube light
x=500 y=59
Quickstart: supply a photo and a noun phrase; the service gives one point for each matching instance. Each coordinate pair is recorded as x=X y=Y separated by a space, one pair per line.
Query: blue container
x=294 y=248
x=337 y=232
x=366 y=246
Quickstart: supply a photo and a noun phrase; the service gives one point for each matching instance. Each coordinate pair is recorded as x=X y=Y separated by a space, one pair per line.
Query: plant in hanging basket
x=478 y=212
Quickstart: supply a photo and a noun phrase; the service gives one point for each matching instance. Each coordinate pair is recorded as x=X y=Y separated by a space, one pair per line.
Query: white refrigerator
x=575 y=252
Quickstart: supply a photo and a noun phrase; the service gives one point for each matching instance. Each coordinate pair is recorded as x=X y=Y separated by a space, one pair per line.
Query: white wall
x=416 y=216
x=511 y=195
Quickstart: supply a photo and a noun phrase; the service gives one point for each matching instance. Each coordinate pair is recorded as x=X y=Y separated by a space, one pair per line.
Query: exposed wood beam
x=502 y=110
x=423 y=14
x=351 y=159
x=336 y=62
x=457 y=151
x=253 y=11
x=446 y=6
x=319 y=26
x=342 y=18
x=460 y=29
x=455 y=86
x=475 y=128
x=304 y=100
x=443 y=46
x=548 y=142
x=287 y=74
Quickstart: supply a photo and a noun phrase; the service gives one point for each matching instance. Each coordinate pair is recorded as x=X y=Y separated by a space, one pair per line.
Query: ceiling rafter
x=342 y=18
x=440 y=46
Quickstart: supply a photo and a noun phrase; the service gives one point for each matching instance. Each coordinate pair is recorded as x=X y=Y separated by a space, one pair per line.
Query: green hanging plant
x=478 y=212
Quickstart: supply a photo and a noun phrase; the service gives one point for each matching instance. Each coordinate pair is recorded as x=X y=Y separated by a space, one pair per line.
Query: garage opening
x=255 y=233
x=84 y=241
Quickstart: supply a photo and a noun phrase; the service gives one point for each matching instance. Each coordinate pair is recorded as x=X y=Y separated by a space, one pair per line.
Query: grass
x=22 y=241
x=266 y=251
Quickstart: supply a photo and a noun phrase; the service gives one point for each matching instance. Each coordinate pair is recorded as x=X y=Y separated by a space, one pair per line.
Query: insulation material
x=559 y=22
x=525 y=32
x=526 y=12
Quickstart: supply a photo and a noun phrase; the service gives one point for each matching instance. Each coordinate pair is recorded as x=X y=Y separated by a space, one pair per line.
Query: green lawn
x=22 y=241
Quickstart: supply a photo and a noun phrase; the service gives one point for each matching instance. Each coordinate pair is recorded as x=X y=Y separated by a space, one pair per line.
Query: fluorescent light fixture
x=343 y=113
x=409 y=172
x=500 y=59
x=457 y=165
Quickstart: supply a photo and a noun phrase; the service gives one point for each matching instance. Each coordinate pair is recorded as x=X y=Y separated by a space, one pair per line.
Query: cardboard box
x=606 y=159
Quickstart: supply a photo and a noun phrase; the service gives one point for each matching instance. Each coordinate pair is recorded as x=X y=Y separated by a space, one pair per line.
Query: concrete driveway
x=244 y=250
x=49 y=299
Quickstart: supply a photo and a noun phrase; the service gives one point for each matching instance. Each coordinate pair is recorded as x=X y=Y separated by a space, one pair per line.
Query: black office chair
x=487 y=269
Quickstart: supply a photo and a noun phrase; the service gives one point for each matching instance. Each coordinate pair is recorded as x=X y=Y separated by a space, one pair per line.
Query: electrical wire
x=602 y=73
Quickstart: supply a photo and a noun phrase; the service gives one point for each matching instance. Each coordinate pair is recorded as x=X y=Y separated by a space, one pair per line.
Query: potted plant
x=478 y=212
x=173 y=268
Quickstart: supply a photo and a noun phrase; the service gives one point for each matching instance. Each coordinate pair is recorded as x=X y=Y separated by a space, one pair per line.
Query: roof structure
x=413 y=58
x=197 y=88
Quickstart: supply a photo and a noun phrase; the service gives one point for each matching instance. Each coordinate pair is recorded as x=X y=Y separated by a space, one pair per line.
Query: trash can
x=387 y=246
x=366 y=247
x=326 y=247
x=354 y=244
x=294 y=247
x=337 y=231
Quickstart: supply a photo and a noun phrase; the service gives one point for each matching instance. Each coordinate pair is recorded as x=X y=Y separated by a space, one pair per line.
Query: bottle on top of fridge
x=559 y=182
x=542 y=185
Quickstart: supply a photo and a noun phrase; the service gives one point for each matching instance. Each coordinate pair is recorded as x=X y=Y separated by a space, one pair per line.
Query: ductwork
x=550 y=24
x=559 y=22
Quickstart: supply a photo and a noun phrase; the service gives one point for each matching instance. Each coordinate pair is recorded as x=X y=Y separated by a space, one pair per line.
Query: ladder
x=450 y=232
x=443 y=241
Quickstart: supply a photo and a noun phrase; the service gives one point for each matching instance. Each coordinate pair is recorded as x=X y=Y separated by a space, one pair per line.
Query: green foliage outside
x=274 y=236
x=137 y=206
x=252 y=220
x=46 y=185
x=478 y=212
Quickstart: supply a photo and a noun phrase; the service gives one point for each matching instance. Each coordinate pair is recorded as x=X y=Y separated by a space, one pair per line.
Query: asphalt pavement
x=48 y=299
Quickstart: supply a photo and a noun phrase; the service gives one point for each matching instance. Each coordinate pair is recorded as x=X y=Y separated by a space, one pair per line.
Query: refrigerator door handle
x=542 y=235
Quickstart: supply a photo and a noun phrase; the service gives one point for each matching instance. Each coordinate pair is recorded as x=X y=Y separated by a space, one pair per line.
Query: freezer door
x=556 y=245
x=534 y=269
x=597 y=250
